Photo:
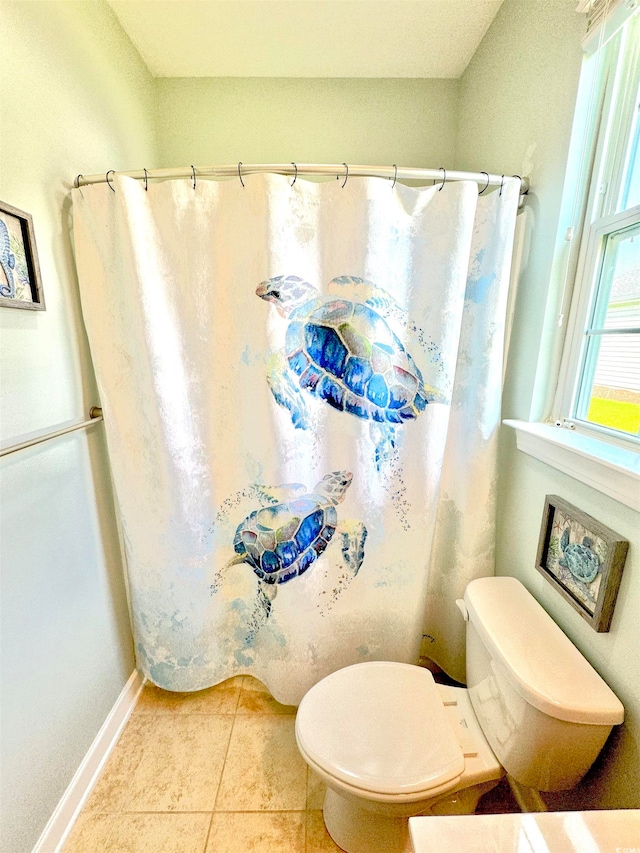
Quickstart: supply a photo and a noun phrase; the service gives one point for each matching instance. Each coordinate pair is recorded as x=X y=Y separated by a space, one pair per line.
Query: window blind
x=604 y=19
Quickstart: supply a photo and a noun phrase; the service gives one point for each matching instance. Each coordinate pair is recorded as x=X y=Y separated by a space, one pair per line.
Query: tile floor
x=216 y=771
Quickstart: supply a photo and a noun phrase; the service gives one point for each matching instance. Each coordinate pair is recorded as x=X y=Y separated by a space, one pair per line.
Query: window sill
x=603 y=466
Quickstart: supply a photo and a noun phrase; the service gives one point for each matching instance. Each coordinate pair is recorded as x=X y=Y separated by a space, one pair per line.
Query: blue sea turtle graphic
x=581 y=560
x=7 y=262
x=282 y=541
x=344 y=353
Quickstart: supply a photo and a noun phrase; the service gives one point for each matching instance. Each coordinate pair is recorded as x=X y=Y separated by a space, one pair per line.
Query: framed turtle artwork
x=20 y=285
x=583 y=559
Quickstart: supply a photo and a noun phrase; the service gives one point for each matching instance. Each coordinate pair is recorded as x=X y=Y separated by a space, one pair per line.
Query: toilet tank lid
x=538 y=659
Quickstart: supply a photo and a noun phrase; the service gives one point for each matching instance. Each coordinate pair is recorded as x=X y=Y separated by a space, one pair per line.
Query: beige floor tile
x=90 y=833
x=255 y=832
x=221 y=699
x=182 y=761
x=318 y=839
x=110 y=791
x=263 y=770
x=158 y=833
x=256 y=699
x=316 y=789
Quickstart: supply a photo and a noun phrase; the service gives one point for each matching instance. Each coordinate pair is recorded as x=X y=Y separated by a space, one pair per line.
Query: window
x=599 y=390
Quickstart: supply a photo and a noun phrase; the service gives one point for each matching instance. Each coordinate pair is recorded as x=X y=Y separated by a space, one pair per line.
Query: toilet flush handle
x=462 y=607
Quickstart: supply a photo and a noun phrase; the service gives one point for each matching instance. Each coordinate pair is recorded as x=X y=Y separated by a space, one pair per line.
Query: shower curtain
x=301 y=392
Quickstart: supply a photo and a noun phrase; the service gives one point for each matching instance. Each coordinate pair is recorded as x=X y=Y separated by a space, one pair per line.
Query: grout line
x=235 y=709
x=147 y=811
x=179 y=714
x=250 y=811
x=203 y=811
x=206 y=841
x=200 y=811
x=226 y=753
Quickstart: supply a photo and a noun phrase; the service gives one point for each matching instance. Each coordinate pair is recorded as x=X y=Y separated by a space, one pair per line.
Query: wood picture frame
x=583 y=559
x=20 y=282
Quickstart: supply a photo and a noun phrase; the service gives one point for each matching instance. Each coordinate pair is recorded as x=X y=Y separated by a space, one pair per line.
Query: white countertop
x=547 y=832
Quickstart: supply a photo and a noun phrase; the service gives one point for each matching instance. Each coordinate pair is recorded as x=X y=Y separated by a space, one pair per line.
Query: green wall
x=75 y=97
x=517 y=98
x=264 y=120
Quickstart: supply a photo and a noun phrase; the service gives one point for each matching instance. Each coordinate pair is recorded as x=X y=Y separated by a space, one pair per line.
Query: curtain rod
x=341 y=170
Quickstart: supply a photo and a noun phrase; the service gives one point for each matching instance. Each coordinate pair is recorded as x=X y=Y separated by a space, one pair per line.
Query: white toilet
x=390 y=743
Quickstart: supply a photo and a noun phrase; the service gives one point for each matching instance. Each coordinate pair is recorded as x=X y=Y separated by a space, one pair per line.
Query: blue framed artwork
x=20 y=283
x=583 y=559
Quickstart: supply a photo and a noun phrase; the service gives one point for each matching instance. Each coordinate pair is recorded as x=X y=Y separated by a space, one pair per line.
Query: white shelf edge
x=603 y=466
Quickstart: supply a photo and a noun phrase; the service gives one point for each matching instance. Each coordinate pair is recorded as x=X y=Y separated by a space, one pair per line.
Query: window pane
x=631 y=178
x=610 y=386
x=619 y=290
x=613 y=398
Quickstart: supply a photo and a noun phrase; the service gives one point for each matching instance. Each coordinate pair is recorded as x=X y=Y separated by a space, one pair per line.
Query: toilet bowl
x=391 y=744
x=399 y=746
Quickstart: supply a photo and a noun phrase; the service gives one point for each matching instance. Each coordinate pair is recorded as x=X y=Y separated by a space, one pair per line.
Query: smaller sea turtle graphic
x=344 y=352
x=581 y=560
x=7 y=263
x=282 y=541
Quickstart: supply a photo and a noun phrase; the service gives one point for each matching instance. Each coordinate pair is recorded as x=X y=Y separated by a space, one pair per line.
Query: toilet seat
x=397 y=798
x=380 y=728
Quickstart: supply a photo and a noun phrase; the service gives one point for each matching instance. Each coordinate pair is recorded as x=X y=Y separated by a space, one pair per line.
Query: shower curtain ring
x=442 y=169
x=296 y=177
x=395 y=176
x=347 y=175
x=108 y=181
x=77 y=181
x=486 y=185
x=501 y=185
x=193 y=172
x=146 y=181
x=240 y=174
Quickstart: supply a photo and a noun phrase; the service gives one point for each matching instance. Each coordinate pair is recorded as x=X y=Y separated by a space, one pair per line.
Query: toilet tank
x=543 y=708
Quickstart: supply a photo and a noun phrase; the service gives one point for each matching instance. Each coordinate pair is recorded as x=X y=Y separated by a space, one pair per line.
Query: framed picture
x=582 y=559
x=20 y=284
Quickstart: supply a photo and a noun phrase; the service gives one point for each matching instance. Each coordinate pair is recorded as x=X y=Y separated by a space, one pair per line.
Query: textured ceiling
x=306 y=38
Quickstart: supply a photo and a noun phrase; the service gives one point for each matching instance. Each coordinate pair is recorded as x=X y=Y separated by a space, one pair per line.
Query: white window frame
x=599 y=187
x=584 y=299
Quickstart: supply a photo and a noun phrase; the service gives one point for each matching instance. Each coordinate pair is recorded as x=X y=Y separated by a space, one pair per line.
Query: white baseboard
x=66 y=812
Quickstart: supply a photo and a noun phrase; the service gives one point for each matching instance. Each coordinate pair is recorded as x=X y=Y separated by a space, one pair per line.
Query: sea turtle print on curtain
x=344 y=352
x=284 y=538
